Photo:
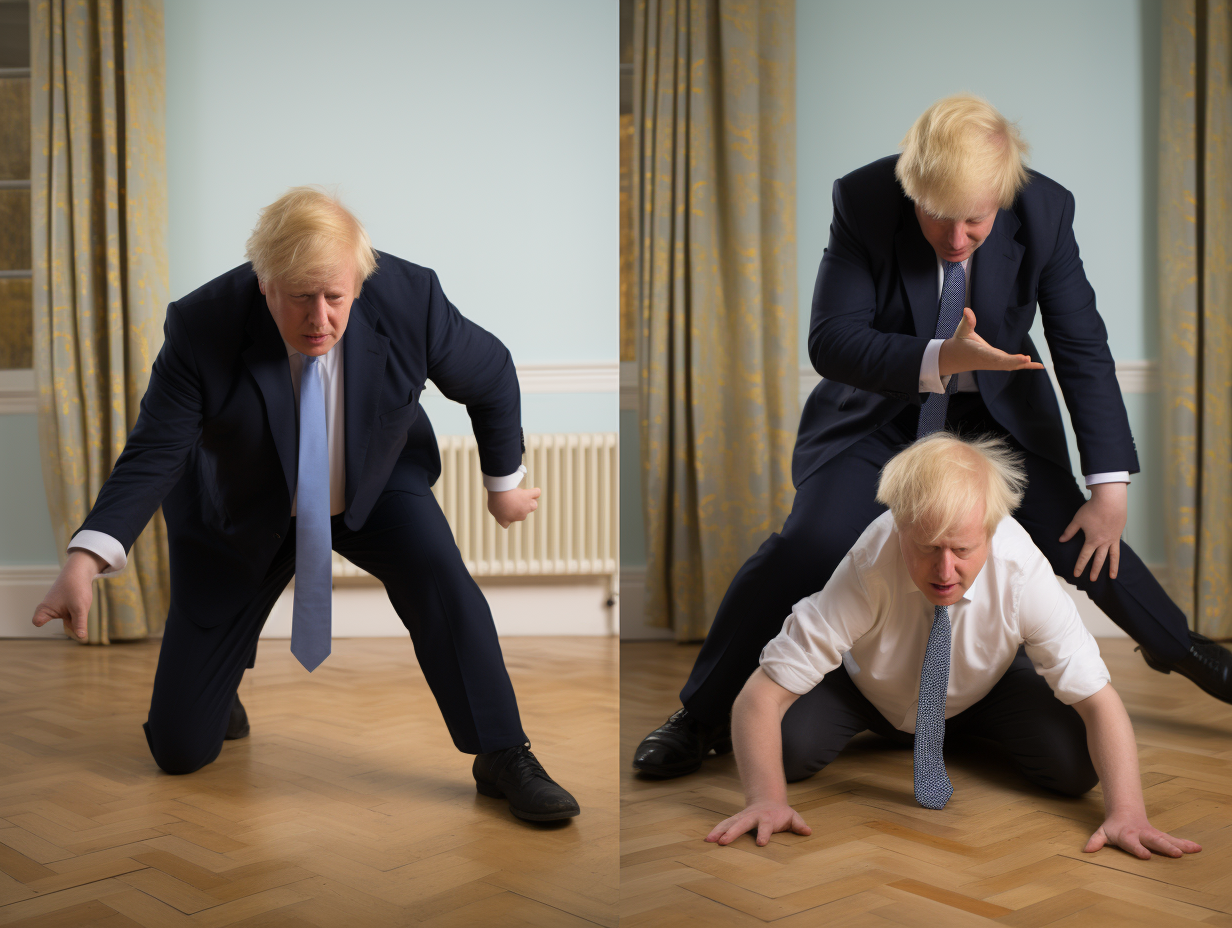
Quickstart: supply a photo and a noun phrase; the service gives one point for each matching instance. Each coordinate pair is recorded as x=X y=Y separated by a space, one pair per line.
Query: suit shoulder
x=226 y=294
x=1041 y=207
x=873 y=183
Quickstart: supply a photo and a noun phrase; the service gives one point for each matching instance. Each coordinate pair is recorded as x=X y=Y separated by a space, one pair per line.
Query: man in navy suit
x=225 y=433
x=957 y=208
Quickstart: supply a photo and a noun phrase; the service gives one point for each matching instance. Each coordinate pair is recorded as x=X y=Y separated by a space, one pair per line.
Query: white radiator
x=575 y=530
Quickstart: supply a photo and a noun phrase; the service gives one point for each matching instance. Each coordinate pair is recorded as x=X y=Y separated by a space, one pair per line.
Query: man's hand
x=1101 y=519
x=1133 y=833
x=966 y=351
x=70 y=596
x=510 y=506
x=765 y=817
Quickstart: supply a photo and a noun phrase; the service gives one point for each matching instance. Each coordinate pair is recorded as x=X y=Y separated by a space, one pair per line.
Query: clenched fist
x=70 y=596
x=514 y=505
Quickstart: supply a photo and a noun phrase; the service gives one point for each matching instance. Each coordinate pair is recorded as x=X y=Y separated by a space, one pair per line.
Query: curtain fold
x=1195 y=279
x=99 y=214
x=714 y=201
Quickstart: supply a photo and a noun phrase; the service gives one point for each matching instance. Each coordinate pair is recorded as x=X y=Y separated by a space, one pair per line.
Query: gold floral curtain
x=99 y=213
x=1195 y=280
x=714 y=201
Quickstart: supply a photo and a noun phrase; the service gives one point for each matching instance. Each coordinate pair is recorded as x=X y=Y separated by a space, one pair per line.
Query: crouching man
x=944 y=616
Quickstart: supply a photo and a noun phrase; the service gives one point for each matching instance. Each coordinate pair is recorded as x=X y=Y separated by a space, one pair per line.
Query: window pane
x=17 y=324
x=14 y=128
x=15 y=230
x=15 y=34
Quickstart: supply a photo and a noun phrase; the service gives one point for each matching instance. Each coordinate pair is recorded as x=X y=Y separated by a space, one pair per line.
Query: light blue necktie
x=310 y=619
x=933 y=788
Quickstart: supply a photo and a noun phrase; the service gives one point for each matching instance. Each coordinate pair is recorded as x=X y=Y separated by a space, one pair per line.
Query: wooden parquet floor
x=347 y=806
x=1002 y=852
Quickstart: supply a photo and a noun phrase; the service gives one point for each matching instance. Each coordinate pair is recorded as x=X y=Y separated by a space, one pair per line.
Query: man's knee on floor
x=800 y=763
x=177 y=754
x=1069 y=773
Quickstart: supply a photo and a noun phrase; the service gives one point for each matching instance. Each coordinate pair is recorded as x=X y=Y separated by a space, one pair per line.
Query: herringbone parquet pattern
x=1001 y=852
x=347 y=806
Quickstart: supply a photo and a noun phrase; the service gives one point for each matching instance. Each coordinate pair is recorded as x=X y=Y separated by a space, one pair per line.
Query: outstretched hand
x=72 y=593
x=967 y=351
x=1133 y=833
x=509 y=506
x=763 y=817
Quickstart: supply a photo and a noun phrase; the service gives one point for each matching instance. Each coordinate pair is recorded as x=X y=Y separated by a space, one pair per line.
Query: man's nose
x=957 y=236
x=317 y=314
x=945 y=568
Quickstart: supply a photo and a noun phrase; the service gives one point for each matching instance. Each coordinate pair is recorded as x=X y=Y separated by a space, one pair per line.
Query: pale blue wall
x=1081 y=79
x=477 y=137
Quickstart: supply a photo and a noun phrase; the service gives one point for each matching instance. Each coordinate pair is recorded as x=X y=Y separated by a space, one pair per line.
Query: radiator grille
x=575 y=530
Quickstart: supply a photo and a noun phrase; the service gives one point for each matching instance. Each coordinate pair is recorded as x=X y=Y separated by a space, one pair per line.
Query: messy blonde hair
x=959 y=154
x=307 y=236
x=936 y=483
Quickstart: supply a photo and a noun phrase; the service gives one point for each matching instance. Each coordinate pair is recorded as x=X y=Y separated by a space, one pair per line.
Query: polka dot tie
x=932 y=787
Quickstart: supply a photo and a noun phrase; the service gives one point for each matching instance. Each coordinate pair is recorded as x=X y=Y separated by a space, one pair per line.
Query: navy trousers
x=1044 y=738
x=834 y=506
x=407 y=545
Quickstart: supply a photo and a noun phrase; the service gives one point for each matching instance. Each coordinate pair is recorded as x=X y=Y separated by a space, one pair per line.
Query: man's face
x=311 y=317
x=955 y=239
x=944 y=568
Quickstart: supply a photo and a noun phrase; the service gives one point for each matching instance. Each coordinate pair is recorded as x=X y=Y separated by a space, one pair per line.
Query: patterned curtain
x=715 y=192
x=99 y=195
x=1195 y=280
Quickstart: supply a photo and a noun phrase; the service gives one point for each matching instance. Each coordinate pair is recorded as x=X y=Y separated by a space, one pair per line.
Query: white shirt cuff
x=931 y=380
x=104 y=546
x=1113 y=476
x=501 y=484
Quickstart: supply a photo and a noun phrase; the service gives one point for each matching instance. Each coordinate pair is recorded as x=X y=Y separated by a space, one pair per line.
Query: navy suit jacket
x=875 y=310
x=216 y=441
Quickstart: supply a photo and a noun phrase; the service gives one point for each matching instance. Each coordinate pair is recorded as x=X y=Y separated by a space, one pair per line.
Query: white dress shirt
x=872 y=617
x=931 y=380
x=110 y=549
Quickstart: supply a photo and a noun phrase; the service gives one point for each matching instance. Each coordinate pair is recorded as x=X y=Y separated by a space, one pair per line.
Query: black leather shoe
x=1207 y=664
x=679 y=745
x=237 y=726
x=514 y=774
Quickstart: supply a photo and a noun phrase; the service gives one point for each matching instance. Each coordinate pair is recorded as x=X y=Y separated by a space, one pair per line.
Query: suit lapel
x=266 y=358
x=364 y=352
x=917 y=263
x=994 y=268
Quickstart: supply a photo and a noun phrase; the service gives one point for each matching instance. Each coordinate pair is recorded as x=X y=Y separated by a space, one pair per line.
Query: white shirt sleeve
x=1113 y=476
x=1064 y=653
x=820 y=629
x=501 y=484
x=931 y=380
x=104 y=546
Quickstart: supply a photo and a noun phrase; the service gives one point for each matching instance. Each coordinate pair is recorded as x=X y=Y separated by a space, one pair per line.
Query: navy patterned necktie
x=933 y=788
x=949 y=314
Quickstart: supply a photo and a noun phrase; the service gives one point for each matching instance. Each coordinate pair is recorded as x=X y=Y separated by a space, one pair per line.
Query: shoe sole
x=489 y=790
x=237 y=736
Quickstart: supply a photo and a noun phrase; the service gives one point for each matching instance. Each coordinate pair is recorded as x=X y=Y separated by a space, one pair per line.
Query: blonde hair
x=938 y=481
x=308 y=236
x=960 y=153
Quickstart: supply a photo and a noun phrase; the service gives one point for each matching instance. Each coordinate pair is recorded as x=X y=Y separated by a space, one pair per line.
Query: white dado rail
x=17 y=393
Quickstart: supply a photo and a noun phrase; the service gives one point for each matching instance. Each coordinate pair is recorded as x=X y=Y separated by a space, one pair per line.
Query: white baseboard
x=21 y=590
x=634 y=628
x=520 y=606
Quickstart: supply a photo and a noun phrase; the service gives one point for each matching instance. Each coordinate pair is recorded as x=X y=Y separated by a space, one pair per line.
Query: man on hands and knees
x=282 y=420
x=938 y=261
x=943 y=620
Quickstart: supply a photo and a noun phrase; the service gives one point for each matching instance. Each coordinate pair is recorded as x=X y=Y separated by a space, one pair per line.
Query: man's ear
x=261 y=286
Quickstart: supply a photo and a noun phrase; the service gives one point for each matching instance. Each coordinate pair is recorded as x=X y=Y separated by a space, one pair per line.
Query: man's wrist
x=82 y=559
